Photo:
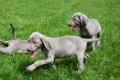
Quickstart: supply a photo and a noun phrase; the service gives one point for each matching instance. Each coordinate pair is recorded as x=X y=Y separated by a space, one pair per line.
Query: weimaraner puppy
x=89 y=28
x=57 y=47
x=14 y=45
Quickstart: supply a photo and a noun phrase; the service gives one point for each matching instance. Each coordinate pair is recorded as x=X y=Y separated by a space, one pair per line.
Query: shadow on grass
x=68 y=63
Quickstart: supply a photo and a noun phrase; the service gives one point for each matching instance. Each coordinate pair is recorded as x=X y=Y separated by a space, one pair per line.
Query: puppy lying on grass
x=57 y=47
x=14 y=45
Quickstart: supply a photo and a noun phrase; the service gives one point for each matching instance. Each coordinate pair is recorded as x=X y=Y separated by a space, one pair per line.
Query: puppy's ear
x=83 y=18
x=80 y=18
x=46 y=43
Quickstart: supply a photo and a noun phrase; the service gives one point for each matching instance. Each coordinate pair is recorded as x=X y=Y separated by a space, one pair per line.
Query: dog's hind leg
x=86 y=56
x=93 y=44
x=80 y=59
x=98 y=42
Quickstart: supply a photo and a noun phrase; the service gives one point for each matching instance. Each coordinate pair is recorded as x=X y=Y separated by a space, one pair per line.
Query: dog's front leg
x=53 y=64
x=39 y=63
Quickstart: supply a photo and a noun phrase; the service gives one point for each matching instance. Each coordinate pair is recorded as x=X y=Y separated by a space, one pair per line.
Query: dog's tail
x=13 y=32
x=91 y=40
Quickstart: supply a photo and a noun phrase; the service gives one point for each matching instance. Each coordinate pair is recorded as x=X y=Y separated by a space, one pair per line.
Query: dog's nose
x=69 y=24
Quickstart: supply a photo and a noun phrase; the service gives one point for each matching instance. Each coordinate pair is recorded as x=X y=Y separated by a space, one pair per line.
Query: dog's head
x=76 y=21
x=36 y=42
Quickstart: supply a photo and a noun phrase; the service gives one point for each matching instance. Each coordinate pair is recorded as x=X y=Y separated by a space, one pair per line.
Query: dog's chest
x=84 y=33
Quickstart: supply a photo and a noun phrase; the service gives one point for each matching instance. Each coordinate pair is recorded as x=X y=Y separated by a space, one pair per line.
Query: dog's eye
x=37 y=46
x=73 y=19
x=34 y=42
x=28 y=41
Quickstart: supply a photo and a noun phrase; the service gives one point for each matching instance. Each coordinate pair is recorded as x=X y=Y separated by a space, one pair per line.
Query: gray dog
x=89 y=28
x=57 y=47
x=14 y=45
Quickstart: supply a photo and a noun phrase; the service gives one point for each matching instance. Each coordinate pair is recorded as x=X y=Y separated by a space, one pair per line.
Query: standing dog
x=57 y=47
x=14 y=45
x=89 y=28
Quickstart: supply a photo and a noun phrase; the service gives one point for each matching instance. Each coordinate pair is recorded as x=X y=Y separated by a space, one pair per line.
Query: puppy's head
x=76 y=21
x=36 y=41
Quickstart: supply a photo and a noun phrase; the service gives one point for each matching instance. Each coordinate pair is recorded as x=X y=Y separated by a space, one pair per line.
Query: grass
x=50 y=17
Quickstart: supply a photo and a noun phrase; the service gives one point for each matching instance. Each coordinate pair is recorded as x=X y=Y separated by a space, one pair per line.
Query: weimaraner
x=14 y=45
x=89 y=28
x=57 y=47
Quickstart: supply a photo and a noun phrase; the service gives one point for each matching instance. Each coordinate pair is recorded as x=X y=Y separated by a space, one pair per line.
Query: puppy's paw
x=80 y=71
x=86 y=56
x=31 y=68
x=54 y=67
x=94 y=49
x=98 y=43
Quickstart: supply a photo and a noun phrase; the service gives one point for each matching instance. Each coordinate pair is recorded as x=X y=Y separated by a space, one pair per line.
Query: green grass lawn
x=50 y=17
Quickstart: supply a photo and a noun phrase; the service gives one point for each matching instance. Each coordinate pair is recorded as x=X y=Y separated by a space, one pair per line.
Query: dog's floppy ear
x=80 y=18
x=83 y=18
x=46 y=43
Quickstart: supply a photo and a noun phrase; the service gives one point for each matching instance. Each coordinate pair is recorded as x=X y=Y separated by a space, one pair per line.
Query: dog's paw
x=0 y=40
x=86 y=56
x=31 y=68
x=54 y=67
x=79 y=71
x=98 y=43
